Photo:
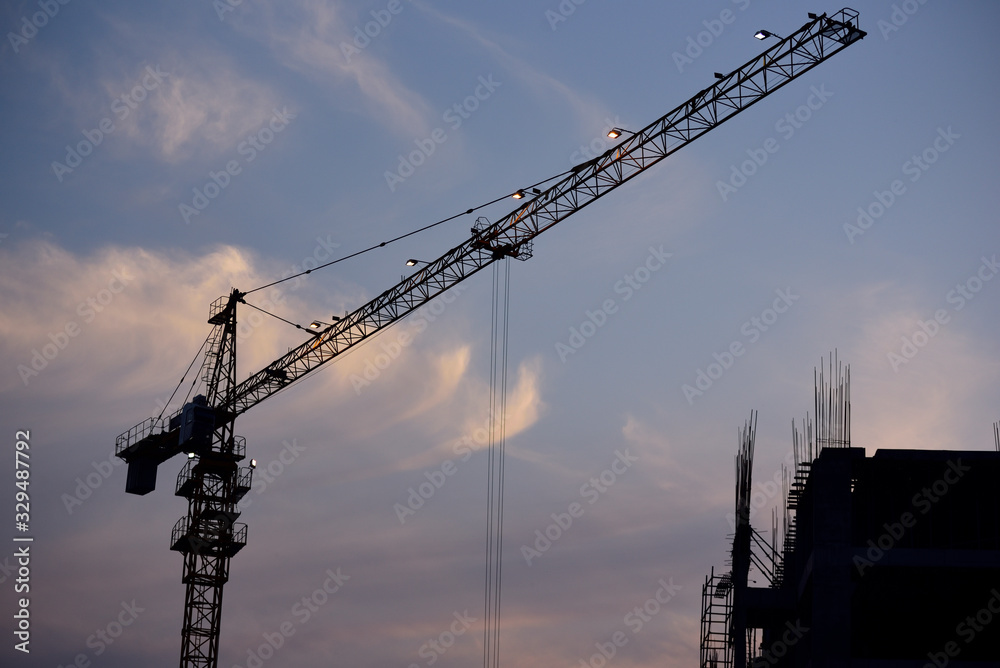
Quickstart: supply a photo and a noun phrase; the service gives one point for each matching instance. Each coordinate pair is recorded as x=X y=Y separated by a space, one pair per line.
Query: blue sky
x=278 y=125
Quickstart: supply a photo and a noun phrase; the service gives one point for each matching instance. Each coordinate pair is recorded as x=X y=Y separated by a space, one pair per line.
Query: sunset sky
x=157 y=154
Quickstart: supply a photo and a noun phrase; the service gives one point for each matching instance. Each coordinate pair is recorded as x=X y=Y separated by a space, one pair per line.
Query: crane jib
x=791 y=57
x=816 y=41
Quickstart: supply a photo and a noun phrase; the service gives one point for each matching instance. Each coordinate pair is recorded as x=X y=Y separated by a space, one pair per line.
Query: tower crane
x=213 y=479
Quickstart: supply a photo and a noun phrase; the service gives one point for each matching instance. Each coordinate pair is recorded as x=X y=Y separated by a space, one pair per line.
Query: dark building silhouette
x=887 y=561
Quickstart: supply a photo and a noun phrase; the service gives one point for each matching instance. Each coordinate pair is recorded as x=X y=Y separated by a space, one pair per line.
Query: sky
x=155 y=155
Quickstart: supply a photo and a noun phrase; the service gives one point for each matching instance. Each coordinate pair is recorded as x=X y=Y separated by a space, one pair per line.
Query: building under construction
x=888 y=560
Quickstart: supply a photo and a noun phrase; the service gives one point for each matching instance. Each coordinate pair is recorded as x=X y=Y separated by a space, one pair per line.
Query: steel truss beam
x=790 y=58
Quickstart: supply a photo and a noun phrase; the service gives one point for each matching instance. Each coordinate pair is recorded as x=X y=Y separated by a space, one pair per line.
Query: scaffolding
x=729 y=639
x=716 y=618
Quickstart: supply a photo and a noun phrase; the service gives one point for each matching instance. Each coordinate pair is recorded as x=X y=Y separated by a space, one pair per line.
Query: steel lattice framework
x=213 y=484
x=512 y=235
x=212 y=481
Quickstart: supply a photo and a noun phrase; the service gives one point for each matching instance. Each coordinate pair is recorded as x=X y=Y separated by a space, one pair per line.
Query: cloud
x=199 y=109
x=314 y=39
x=317 y=39
x=543 y=85
x=918 y=404
x=523 y=408
x=128 y=320
x=430 y=383
x=177 y=100
x=123 y=318
x=932 y=400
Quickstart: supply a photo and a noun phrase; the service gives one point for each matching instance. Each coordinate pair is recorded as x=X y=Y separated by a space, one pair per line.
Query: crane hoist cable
x=496 y=468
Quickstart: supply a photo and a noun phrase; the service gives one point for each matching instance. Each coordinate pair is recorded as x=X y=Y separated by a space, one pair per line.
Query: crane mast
x=213 y=481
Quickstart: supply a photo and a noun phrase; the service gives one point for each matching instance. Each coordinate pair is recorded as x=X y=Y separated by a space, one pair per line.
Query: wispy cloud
x=201 y=108
x=585 y=108
x=174 y=100
x=63 y=312
x=307 y=36
x=919 y=403
x=434 y=386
